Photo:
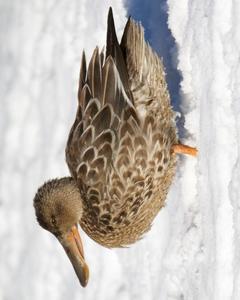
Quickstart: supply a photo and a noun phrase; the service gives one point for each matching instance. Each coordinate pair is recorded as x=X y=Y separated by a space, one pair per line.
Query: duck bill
x=73 y=247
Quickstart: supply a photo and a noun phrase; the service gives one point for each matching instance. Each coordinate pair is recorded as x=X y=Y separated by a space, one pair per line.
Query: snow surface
x=192 y=251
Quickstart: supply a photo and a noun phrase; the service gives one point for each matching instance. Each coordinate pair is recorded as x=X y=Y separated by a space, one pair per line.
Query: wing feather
x=115 y=155
x=114 y=50
x=83 y=74
x=104 y=110
x=94 y=74
x=145 y=68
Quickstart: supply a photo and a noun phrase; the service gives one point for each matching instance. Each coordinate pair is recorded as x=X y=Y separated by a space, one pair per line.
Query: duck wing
x=105 y=114
x=145 y=70
x=103 y=109
x=119 y=159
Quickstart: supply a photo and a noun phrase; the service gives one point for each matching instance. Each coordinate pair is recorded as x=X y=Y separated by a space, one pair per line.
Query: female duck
x=121 y=150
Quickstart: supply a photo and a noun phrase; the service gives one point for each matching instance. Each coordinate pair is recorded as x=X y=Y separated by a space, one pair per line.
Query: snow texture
x=192 y=250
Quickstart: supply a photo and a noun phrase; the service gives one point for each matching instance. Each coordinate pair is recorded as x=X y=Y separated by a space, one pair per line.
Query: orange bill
x=73 y=247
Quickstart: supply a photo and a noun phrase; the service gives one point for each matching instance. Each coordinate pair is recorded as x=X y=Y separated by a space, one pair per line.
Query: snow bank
x=207 y=35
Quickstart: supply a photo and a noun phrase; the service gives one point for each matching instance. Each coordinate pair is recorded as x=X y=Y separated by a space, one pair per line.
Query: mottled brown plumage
x=119 y=150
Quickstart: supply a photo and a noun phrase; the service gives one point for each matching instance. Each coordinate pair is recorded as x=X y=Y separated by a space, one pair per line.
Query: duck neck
x=71 y=194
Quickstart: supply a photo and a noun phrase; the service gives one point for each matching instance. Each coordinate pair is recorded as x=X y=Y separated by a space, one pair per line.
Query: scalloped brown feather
x=119 y=147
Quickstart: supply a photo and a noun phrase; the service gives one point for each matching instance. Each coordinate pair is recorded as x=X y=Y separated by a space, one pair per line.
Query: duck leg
x=184 y=149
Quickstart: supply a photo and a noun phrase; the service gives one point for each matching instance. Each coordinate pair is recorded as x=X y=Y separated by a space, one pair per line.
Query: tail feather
x=83 y=74
x=114 y=50
x=94 y=74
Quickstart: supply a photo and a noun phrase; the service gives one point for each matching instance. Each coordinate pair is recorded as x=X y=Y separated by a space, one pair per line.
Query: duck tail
x=114 y=50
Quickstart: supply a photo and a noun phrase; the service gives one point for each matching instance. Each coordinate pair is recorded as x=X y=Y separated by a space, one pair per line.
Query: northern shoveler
x=121 y=150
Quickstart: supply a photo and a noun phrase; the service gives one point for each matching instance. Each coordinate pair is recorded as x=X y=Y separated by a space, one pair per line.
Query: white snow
x=193 y=248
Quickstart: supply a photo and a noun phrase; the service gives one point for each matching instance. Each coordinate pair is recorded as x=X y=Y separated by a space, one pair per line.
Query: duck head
x=58 y=208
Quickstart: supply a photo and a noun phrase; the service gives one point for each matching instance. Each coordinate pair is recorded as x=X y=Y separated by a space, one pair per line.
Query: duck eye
x=53 y=220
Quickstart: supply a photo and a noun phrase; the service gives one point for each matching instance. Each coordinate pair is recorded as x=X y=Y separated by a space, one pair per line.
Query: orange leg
x=184 y=149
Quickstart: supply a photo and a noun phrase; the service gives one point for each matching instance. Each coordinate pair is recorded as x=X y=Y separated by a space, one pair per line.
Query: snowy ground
x=193 y=249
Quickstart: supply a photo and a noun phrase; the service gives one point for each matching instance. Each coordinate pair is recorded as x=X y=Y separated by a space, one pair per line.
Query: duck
x=121 y=150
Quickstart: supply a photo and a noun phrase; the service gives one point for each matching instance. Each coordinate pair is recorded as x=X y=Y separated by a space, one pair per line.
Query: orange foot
x=184 y=149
